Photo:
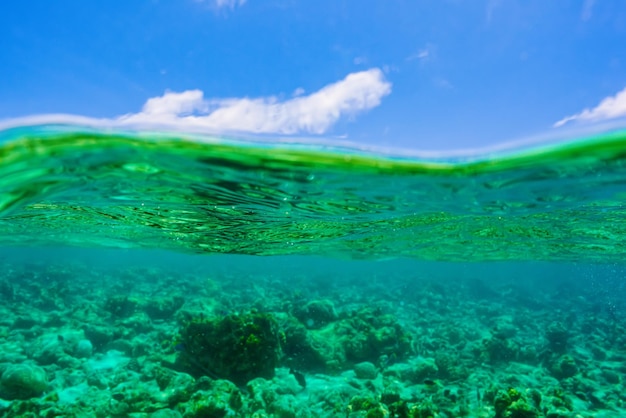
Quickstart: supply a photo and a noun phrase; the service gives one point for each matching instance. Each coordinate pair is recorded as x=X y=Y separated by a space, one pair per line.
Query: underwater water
x=162 y=275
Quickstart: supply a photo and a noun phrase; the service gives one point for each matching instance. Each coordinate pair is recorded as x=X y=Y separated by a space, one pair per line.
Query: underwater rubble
x=151 y=342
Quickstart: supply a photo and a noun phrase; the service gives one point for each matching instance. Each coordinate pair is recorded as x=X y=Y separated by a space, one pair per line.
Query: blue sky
x=431 y=74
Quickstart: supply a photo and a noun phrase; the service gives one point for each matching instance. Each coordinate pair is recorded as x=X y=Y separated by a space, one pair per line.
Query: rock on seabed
x=23 y=381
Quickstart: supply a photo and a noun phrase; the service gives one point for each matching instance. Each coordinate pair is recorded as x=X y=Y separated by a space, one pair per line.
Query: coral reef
x=213 y=345
x=235 y=347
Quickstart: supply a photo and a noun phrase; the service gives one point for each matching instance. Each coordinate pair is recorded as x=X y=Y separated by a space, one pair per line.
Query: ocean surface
x=172 y=275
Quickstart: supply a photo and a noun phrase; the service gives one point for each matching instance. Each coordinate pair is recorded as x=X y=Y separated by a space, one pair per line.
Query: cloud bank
x=609 y=108
x=314 y=113
x=189 y=111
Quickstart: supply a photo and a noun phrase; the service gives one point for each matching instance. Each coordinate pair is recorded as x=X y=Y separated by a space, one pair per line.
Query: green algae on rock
x=236 y=347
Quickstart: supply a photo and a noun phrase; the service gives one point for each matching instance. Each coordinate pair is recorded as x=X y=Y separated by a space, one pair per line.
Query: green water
x=71 y=186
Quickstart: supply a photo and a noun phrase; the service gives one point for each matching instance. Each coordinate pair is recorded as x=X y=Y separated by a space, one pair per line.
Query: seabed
x=128 y=333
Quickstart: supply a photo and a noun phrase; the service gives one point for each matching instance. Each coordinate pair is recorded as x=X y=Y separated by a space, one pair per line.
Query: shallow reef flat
x=105 y=334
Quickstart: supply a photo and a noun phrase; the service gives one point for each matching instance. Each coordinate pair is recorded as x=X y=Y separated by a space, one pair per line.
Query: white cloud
x=314 y=113
x=174 y=103
x=423 y=55
x=609 y=108
x=189 y=111
x=230 y=4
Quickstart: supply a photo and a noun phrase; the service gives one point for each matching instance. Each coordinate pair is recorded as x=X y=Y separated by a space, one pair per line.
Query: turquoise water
x=164 y=275
x=208 y=195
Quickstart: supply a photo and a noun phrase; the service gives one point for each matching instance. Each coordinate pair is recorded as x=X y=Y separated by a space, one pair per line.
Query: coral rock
x=23 y=381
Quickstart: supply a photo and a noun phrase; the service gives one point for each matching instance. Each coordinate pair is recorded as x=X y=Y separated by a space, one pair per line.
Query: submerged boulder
x=365 y=370
x=83 y=349
x=563 y=366
x=363 y=336
x=557 y=336
x=162 y=307
x=236 y=347
x=218 y=398
x=316 y=314
x=23 y=381
x=120 y=306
